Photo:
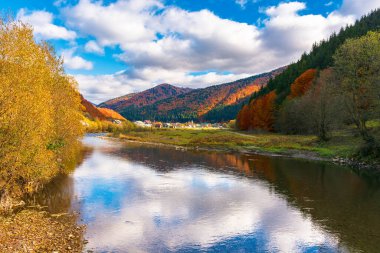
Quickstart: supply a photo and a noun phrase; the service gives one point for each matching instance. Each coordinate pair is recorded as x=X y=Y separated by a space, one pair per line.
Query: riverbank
x=340 y=149
x=33 y=230
x=26 y=228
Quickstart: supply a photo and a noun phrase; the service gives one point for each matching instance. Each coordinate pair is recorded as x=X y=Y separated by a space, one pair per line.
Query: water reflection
x=136 y=198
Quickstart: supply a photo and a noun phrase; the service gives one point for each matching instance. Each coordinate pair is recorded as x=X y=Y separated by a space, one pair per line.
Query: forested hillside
x=94 y=113
x=215 y=103
x=335 y=86
x=320 y=57
x=144 y=98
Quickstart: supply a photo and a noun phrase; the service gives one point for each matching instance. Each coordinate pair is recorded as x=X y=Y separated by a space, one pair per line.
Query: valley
x=226 y=126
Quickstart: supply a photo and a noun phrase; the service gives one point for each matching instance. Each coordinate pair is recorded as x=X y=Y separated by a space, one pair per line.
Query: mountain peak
x=165 y=85
x=168 y=86
x=147 y=97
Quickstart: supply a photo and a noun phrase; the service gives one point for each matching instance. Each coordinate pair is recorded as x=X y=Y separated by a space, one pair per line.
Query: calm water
x=139 y=198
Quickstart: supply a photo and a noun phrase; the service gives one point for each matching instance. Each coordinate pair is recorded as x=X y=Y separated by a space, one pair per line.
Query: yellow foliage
x=39 y=110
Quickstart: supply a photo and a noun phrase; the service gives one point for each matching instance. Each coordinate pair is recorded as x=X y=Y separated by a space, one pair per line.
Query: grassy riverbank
x=342 y=144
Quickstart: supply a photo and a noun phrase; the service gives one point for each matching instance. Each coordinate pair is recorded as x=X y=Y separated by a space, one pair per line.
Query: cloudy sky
x=114 y=47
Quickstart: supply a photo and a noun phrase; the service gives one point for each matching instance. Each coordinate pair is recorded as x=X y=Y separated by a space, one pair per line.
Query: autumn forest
x=193 y=167
x=330 y=88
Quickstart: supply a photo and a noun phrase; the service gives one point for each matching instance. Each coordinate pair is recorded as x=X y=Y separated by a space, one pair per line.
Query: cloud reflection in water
x=130 y=207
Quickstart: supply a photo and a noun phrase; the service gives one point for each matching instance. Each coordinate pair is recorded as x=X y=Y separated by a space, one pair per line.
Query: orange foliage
x=242 y=120
x=91 y=110
x=101 y=114
x=259 y=114
x=111 y=114
x=244 y=92
x=302 y=84
x=204 y=100
x=262 y=112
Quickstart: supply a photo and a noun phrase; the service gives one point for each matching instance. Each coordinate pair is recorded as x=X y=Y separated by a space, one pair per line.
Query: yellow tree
x=39 y=110
x=66 y=102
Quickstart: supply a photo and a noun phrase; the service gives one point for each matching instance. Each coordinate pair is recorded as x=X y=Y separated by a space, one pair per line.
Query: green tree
x=317 y=112
x=357 y=65
x=323 y=105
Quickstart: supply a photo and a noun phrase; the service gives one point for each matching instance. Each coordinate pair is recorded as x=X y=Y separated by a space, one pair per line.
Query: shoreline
x=35 y=230
x=289 y=153
x=29 y=227
x=296 y=155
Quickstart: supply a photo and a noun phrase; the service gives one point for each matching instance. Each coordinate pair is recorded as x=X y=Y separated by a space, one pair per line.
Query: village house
x=157 y=125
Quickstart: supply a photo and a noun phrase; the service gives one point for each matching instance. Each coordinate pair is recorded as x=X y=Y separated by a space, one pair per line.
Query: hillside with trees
x=215 y=103
x=144 y=98
x=320 y=57
x=93 y=112
x=334 y=86
x=96 y=119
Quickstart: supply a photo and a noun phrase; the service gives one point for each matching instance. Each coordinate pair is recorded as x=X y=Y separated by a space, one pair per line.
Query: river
x=144 y=198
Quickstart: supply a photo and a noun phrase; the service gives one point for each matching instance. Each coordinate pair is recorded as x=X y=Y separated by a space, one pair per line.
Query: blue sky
x=114 y=47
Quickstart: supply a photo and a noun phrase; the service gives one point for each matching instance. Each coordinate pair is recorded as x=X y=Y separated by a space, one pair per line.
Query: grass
x=342 y=144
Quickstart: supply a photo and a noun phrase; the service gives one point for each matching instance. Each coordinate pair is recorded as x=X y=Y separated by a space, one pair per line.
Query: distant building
x=178 y=125
x=190 y=124
x=168 y=125
x=139 y=123
x=206 y=125
x=157 y=124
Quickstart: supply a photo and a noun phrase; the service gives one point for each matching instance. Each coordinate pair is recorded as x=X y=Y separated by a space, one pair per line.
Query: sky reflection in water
x=130 y=207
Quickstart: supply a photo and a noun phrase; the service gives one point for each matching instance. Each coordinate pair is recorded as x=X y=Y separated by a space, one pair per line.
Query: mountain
x=102 y=114
x=144 y=98
x=169 y=103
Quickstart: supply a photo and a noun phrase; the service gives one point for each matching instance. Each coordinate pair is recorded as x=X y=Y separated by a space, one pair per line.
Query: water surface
x=140 y=198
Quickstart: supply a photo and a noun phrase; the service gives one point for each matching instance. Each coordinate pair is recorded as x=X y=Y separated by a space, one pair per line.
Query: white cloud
x=42 y=23
x=74 y=62
x=117 y=23
x=93 y=47
x=242 y=3
x=99 y=88
x=59 y=3
x=165 y=43
x=285 y=9
x=287 y=34
x=359 y=7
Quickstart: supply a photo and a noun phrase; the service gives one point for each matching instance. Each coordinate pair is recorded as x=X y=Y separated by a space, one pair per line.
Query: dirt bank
x=32 y=230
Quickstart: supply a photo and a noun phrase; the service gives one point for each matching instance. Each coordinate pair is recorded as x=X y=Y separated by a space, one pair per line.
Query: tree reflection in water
x=147 y=198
